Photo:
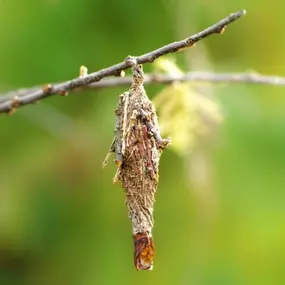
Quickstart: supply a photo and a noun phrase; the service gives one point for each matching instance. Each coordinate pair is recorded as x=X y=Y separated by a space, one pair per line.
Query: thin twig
x=195 y=76
x=64 y=87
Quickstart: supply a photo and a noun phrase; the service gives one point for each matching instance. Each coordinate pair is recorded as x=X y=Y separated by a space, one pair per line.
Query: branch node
x=131 y=61
x=151 y=58
x=63 y=93
x=221 y=30
x=47 y=88
x=15 y=102
x=190 y=42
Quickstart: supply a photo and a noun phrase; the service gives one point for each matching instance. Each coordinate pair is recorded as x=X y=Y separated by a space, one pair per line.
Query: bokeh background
x=220 y=210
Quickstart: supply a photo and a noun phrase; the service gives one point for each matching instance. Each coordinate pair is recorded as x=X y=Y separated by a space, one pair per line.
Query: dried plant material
x=185 y=114
x=137 y=146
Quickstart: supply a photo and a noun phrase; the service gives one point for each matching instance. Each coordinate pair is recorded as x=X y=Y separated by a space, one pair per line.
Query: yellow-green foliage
x=184 y=113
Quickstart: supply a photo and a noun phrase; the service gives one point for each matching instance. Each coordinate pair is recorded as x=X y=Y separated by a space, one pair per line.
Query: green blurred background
x=220 y=213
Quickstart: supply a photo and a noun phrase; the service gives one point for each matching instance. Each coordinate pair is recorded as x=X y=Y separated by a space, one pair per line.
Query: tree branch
x=62 y=88
x=195 y=76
